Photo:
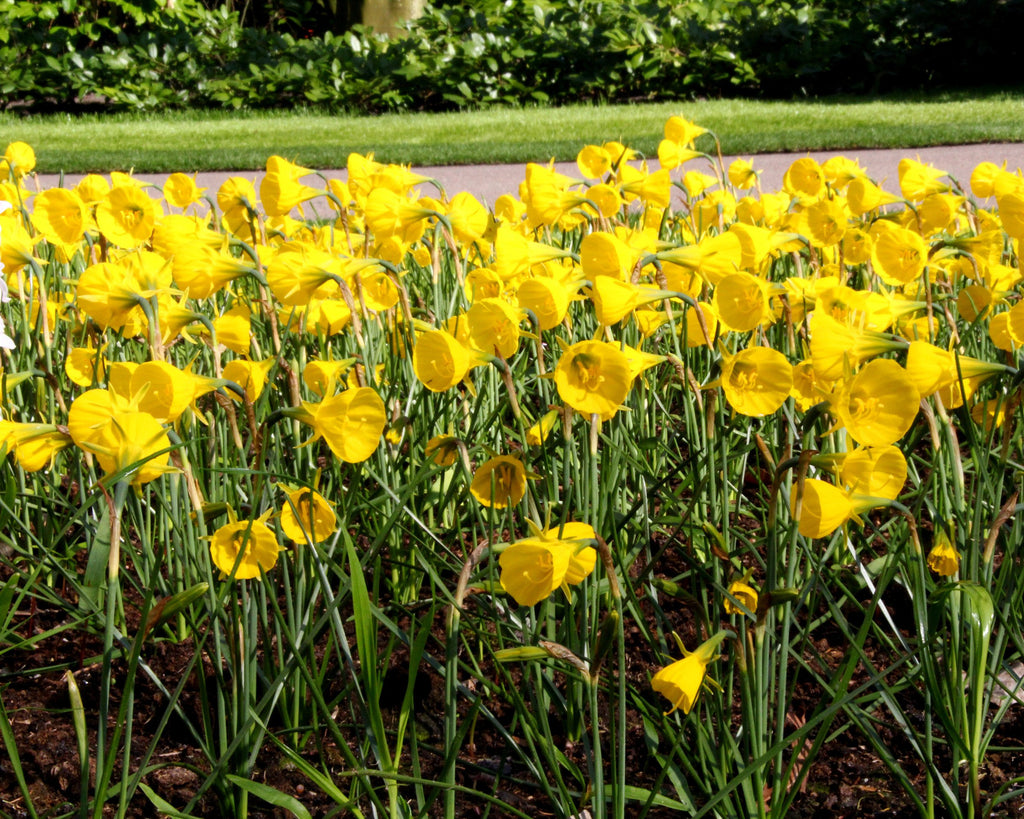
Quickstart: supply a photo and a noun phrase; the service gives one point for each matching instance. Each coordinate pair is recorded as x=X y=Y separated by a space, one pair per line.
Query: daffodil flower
x=532 y=568
x=680 y=683
x=242 y=549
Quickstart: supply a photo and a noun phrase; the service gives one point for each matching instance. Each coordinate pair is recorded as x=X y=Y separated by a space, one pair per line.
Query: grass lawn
x=206 y=141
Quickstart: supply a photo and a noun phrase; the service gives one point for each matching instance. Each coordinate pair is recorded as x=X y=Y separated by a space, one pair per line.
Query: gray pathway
x=488 y=182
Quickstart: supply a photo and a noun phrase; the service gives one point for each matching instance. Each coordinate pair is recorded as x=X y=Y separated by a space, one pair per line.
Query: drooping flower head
x=244 y=548
x=499 y=482
x=879 y=472
x=917 y=179
x=532 y=568
x=351 y=423
x=593 y=377
x=756 y=381
x=681 y=682
x=943 y=559
x=741 y=590
x=307 y=516
x=126 y=216
x=17 y=161
x=877 y=405
x=440 y=360
x=822 y=509
x=181 y=190
x=123 y=439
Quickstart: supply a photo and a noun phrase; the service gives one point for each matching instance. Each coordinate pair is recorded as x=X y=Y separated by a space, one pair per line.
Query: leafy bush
x=144 y=56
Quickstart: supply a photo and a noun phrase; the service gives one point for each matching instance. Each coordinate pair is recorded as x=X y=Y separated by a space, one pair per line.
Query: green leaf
x=272 y=796
x=635 y=794
x=165 y=808
x=99 y=552
x=11 y=744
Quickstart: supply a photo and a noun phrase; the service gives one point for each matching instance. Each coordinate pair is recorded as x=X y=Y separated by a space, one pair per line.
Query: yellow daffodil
x=181 y=190
x=837 y=348
x=234 y=329
x=33 y=445
x=300 y=272
x=804 y=179
x=251 y=376
x=840 y=171
x=933 y=369
x=110 y=293
x=672 y=154
x=244 y=549
x=943 y=557
x=307 y=516
x=532 y=568
x=917 y=179
x=121 y=437
x=877 y=405
x=515 y=255
x=494 y=326
x=86 y=366
x=594 y=161
x=593 y=377
x=499 y=482
x=468 y=217
x=442 y=450
x=863 y=196
x=202 y=270
x=61 y=217
x=391 y=214
x=878 y=472
x=280 y=189
x=538 y=432
x=126 y=216
x=681 y=682
x=165 y=392
x=18 y=161
x=653 y=189
x=742 y=591
x=899 y=255
x=741 y=302
x=605 y=254
x=18 y=247
x=756 y=381
x=742 y=174
x=823 y=507
x=323 y=376
x=351 y=422
x=614 y=299
x=547 y=298
x=683 y=131
x=236 y=199
x=440 y=361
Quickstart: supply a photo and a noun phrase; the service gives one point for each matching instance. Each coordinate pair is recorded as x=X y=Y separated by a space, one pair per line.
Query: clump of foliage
x=150 y=55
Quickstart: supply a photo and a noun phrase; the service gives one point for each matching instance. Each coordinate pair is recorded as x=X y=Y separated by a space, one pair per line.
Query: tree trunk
x=385 y=15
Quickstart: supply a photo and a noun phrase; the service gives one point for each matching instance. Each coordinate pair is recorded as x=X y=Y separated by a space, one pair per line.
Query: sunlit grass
x=199 y=141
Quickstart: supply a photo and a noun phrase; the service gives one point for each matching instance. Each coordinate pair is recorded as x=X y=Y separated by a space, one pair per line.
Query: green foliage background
x=167 y=54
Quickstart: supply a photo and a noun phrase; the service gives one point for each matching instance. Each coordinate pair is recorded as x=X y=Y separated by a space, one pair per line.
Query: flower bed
x=605 y=477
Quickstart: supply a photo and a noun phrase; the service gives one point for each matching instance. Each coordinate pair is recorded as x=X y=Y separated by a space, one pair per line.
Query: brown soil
x=845 y=779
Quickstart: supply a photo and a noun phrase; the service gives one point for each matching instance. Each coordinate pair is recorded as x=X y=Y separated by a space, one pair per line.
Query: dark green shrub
x=142 y=55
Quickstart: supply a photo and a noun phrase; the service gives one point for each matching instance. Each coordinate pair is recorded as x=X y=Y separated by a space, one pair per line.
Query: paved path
x=488 y=182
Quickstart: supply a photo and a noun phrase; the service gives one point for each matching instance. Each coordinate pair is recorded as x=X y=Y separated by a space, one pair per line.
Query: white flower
x=6 y=342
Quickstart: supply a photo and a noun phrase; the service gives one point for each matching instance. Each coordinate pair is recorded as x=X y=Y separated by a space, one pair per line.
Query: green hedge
x=140 y=55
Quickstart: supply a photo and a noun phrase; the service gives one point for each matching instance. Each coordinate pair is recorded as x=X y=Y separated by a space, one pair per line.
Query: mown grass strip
x=207 y=141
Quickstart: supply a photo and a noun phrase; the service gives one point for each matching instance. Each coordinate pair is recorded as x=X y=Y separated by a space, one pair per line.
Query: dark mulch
x=846 y=778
